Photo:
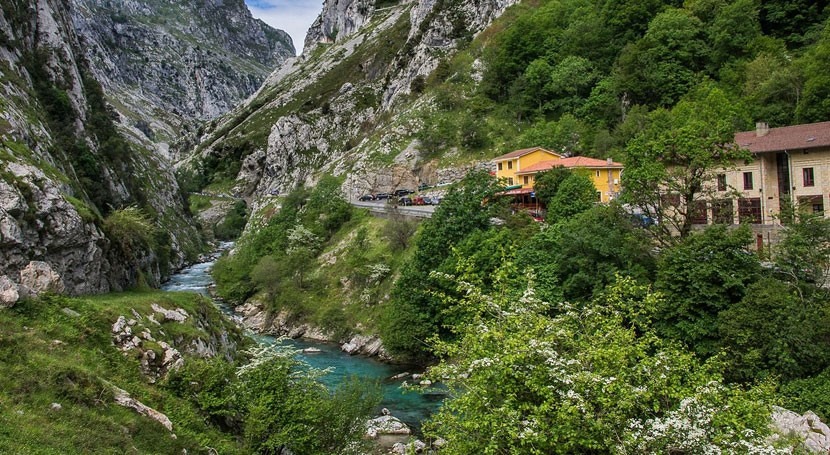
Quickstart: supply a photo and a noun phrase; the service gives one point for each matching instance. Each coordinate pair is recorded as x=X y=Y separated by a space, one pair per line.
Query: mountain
x=92 y=92
x=169 y=65
x=346 y=103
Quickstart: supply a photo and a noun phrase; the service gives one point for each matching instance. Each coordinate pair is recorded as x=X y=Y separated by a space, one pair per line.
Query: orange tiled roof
x=522 y=152
x=796 y=137
x=572 y=162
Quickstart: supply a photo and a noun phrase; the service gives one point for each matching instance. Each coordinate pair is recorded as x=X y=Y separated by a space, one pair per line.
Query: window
x=598 y=172
x=500 y=166
x=721 y=182
x=510 y=180
x=599 y=196
x=749 y=210
x=698 y=214
x=510 y=165
x=722 y=211
x=526 y=180
x=809 y=179
x=747 y=180
x=812 y=204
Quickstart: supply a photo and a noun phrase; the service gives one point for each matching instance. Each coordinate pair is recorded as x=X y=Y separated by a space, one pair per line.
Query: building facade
x=519 y=169
x=605 y=175
x=507 y=166
x=791 y=166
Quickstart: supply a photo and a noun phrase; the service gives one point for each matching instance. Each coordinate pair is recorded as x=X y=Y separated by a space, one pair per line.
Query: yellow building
x=509 y=165
x=604 y=174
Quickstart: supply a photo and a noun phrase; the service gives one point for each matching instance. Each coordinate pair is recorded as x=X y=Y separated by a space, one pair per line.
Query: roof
x=515 y=191
x=523 y=152
x=572 y=162
x=796 y=137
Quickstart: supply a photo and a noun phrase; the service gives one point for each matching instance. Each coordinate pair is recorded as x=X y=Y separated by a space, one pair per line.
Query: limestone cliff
x=67 y=171
x=169 y=65
x=345 y=106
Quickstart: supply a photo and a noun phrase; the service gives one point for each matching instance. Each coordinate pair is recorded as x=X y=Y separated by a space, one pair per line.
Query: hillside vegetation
x=582 y=76
x=65 y=370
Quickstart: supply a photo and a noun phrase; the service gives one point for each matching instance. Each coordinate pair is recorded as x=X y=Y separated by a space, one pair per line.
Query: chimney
x=761 y=129
x=609 y=161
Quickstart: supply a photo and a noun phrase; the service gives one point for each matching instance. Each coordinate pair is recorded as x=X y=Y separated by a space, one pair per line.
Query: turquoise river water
x=412 y=407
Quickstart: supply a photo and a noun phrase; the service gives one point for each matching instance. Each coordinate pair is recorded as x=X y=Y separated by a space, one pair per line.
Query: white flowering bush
x=578 y=381
x=715 y=420
x=301 y=237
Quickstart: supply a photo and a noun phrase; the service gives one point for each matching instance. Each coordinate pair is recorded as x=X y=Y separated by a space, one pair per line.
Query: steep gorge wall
x=342 y=107
x=170 y=65
x=65 y=168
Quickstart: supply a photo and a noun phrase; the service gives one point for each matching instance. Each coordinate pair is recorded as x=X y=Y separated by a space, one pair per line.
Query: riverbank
x=411 y=406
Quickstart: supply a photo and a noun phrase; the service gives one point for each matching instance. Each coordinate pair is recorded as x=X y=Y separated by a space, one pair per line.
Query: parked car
x=426 y=200
x=366 y=197
x=423 y=187
x=435 y=200
x=403 y=192
x=404 y=201
x=382 y=196
x=418 y=201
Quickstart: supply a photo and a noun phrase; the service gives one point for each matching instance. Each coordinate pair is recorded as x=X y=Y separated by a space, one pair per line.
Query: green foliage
x=131 y=229
x=576 y=258
x=705 y=274
x=546 y=183
x=772 y=331
x=574 y=194
x=285 y=407
x=414 y=313
x=803 y=255
x=669 y=164
x=809 y=394
x=234 y=222
x=584 y=381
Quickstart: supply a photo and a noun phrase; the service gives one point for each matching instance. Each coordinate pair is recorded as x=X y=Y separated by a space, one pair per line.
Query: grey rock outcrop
x=807 y=427
x=173 y=64
x=339 y=19
x=347 y=102
x=65 y=166
x=122 y=398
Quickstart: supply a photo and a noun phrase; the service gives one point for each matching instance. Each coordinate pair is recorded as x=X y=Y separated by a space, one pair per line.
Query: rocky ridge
x=347 y=105
x=171 y=65
x=65 y=168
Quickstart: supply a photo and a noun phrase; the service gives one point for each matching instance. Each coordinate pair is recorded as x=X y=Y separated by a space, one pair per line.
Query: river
x=410 y=406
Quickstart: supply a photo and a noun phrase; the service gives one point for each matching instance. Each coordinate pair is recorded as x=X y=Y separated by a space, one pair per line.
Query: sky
x=293 y=16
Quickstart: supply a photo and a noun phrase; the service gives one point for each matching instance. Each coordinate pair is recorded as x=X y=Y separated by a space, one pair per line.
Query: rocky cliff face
x=66 y=171
x=169 y=65
x=346 y=105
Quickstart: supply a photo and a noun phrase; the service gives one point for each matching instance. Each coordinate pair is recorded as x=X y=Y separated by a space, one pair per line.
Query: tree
x=803 y=255
x=589 y=380
x=413 y=314
x=575 y=194
x=703 y=275
x=670 y=166
x=814 y=106
x=577 y=258
x=663 y=66
x=772 y=331
x=546 y=183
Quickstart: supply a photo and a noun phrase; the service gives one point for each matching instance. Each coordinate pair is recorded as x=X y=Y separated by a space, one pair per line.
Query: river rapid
x=411 y=407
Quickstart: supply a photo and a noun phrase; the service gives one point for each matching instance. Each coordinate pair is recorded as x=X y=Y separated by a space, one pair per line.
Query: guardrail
x=414 y=211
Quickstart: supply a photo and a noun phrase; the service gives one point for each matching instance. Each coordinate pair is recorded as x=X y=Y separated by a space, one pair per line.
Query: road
x=382 y=208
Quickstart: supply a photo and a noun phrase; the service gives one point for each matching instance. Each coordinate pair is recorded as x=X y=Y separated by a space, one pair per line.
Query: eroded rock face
x=173 y=64
x=38 y=277
x=807 y=427
x=9 y=292
x=348 y=128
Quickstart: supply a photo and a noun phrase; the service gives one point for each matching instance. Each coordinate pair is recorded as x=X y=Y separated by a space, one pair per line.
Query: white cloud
x=293 y=16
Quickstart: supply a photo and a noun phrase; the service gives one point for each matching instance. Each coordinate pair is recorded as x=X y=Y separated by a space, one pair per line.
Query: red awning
x=515 y=192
